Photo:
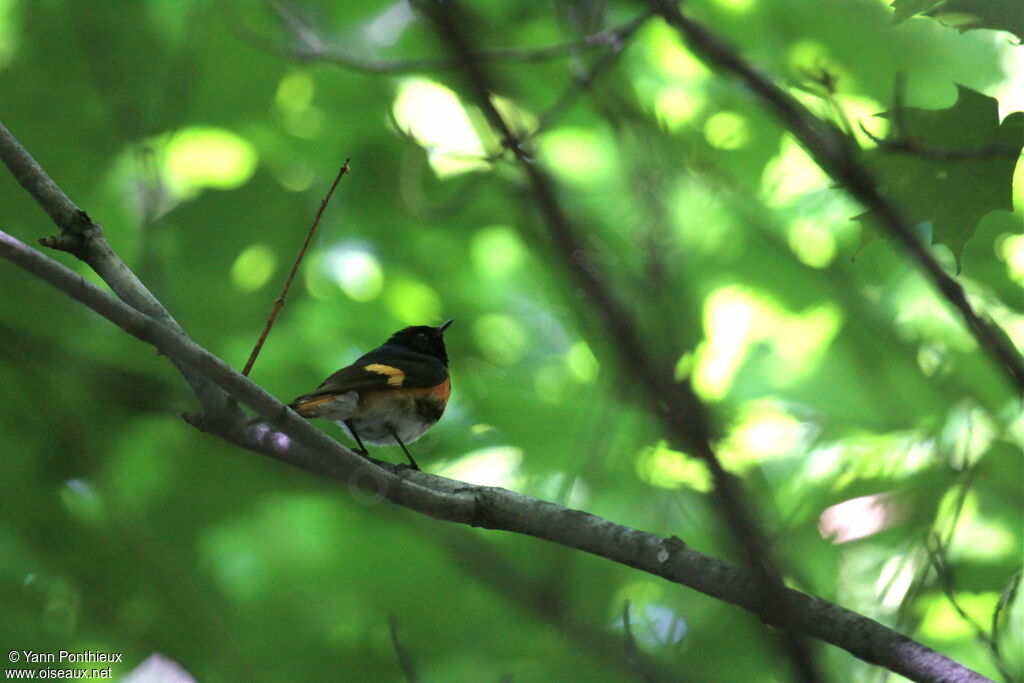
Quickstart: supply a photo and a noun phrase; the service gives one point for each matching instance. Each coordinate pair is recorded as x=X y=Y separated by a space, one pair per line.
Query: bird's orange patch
x=394 y=375
x=442 y=390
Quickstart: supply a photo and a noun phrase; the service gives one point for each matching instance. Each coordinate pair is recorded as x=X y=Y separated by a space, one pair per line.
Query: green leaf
x=957 y=168
x=999 y=15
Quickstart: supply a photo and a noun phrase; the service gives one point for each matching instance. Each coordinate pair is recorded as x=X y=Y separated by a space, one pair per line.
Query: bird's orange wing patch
x=394 y=375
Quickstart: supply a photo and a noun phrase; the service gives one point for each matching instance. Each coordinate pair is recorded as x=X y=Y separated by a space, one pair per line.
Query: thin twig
x=302 y=49
x=908 y=145
x=937 y=556
x=1005 y=599
x=632 y=651
x=404 y=658
x=279 y=303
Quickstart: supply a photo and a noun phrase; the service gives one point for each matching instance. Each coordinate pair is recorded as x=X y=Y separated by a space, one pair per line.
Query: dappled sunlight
x=201 y=157
x=735 y=318
x=764 y=431
x=356 y=271
x=665 y=468
x=727 y=130
x=663 y=49
x=812 y=241
x=412 y=302
x=9 y=30
x=941 y=621
x=923 y=315
x=295 y=92
x=493 y=466
x=435 y=117
x=1011 y=249
x=989 y=538
x=676 y=105
x=582 y=362
x=791 y=175
x=579 y=155
x=497 y=251
x=896 y=579
x=253 y=268
x=502 y=338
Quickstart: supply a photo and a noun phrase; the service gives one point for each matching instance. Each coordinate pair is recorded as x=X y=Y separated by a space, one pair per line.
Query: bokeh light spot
x=253 y=268
x=501 y=337
x=668 y=469
x=357 y=272
x=412 y=302
x=204 y=157
x=435 y=117
x=726 y=130
x=496 y=251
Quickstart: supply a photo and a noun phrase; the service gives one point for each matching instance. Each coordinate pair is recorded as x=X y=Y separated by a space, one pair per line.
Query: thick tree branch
x=297 y=442
x=832 y=151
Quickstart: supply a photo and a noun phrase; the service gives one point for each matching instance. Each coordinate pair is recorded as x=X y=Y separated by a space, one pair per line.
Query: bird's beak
x=444 y=326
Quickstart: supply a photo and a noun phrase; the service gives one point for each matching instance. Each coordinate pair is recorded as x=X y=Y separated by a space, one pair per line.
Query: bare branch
x=306 y=45
x=832 y=152
x=295 y=441
x=279 y=302
x=404 y=658
x=84 y=239
x=676 y=405
x=907 y=145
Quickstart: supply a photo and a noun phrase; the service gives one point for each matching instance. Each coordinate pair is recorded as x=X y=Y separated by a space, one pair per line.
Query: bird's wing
x=380 y=372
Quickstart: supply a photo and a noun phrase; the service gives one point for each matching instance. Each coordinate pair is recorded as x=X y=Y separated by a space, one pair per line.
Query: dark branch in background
x=632 y=651
x=585 y=80
x=404 y=658
x=306 y=44
x=832 y=151
x=279 y=302
x=680 y=411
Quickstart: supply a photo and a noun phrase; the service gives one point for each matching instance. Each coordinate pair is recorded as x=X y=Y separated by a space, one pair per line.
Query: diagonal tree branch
x=832 y=151
x=295 y=441
x=83 y=238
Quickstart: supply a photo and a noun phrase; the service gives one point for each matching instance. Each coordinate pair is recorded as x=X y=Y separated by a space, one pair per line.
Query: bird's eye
x=421 y=335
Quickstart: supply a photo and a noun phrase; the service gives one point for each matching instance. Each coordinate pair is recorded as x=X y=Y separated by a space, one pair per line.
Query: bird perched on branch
x=391 y=395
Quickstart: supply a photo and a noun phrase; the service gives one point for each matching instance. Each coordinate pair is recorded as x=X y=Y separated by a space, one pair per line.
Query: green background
x=833 y=371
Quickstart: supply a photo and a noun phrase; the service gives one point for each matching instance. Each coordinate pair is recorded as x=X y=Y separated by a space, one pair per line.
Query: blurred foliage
x=872 y=433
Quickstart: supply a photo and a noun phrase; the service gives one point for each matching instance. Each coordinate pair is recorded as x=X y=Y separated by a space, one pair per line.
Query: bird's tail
x=307 y=405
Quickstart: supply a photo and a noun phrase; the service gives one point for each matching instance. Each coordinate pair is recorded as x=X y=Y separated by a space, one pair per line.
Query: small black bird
x=391 y=395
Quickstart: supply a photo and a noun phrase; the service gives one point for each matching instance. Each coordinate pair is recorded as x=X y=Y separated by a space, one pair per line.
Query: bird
x=390 y=395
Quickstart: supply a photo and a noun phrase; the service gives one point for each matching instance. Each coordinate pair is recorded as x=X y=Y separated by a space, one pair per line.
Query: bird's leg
x=355 y=435
x=412 y=460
